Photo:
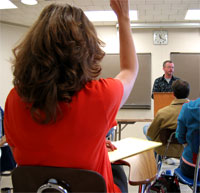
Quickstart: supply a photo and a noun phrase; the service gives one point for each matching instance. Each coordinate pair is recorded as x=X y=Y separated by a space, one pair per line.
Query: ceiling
x=149 y=11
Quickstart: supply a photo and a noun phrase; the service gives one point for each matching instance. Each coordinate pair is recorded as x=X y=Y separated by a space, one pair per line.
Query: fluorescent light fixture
x=100 y=16
x=29 y=2
x=133 y=15
x=163 y=25
x=6 y=4
x=193 y=14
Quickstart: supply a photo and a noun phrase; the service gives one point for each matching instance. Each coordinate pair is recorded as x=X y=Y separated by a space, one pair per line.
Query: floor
x=6 y=181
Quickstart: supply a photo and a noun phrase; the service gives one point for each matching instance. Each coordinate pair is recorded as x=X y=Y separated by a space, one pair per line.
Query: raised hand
x=120 y=7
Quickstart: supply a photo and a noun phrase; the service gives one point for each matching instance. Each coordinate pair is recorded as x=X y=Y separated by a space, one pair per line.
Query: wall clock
x=160 y=37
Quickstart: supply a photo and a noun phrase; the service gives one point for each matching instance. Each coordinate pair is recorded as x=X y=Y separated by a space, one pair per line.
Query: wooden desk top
x=131 y=146
x=133 y=120
x=142 y=167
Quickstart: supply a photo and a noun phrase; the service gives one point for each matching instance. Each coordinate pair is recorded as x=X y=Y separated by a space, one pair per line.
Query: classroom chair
x=167 y=137
x=142 y=169
x=39 y=179
x=192 y=183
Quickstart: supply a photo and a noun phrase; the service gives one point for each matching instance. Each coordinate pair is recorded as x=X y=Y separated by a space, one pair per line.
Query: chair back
x=39 y=179
x=168 y=136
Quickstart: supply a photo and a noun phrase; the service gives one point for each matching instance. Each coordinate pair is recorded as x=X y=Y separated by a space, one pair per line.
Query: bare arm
x=128 y=58
x=2 y=140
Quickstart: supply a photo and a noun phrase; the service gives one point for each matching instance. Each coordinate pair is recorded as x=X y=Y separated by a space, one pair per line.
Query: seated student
x=7 y=162
x=58 y=113
x=167 y=118
x=188 y=133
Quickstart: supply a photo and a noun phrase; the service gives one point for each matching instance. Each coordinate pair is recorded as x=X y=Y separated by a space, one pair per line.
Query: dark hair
x=58 y=56
x=166 y=61
x=181 y=89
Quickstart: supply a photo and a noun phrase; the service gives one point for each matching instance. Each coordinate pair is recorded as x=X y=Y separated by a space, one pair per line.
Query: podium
x=162 y=99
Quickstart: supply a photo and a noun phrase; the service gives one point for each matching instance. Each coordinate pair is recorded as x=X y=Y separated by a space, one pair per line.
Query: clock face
x=160 y=37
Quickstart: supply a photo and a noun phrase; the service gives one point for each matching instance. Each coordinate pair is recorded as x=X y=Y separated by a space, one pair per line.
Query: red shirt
x=77 y=140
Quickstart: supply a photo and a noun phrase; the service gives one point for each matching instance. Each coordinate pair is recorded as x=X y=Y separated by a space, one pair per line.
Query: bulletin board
x=187 y=67
x=140 y=96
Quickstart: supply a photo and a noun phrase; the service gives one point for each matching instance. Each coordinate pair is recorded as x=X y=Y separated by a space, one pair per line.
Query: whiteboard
x=187 y=67
x=140 y=96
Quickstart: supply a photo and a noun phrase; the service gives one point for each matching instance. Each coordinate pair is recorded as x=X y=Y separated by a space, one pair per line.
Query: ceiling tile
x=152 y=11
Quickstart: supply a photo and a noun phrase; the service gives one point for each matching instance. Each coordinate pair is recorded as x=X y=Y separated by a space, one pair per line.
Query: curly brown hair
x=58 y=56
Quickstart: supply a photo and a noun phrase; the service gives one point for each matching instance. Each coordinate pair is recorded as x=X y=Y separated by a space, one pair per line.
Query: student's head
x=168 y=67
x=57 y=57
x=181 y=89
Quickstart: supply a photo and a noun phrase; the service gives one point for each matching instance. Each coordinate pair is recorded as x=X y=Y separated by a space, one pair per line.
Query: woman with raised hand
x=58 y=113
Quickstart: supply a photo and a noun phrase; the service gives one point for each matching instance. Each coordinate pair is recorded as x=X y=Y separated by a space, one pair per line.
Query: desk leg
x=116 y=134
x=120 y=130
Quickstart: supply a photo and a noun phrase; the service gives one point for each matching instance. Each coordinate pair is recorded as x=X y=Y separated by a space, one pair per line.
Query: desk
x=138 y=154
x=131 y=146
x=126 y=122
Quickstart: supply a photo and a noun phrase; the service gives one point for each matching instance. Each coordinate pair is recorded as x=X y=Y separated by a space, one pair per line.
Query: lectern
x=162 y=99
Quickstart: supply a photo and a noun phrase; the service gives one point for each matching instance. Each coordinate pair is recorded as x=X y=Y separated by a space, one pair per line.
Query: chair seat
x=183 y=179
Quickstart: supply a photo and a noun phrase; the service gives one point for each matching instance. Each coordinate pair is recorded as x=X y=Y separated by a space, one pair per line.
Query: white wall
x=9 y=36
x=180 y=40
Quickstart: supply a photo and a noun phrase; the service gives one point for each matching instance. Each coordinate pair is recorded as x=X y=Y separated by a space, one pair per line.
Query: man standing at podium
x=164 y=83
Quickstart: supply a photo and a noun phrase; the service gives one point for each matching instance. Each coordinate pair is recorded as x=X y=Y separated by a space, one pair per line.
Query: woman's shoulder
x=12 y=93
x=12 y=96
x=105 y=84
x=109 y=89
x=105 y=81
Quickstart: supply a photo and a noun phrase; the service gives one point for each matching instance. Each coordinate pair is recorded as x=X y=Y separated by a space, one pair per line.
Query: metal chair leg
x=196 y=172
x=143 y=188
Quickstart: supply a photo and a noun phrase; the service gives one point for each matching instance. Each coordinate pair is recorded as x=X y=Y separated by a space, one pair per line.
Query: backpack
x=166 y=183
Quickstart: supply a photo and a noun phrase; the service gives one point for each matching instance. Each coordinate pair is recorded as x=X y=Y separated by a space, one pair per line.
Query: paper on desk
x=130 y=146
